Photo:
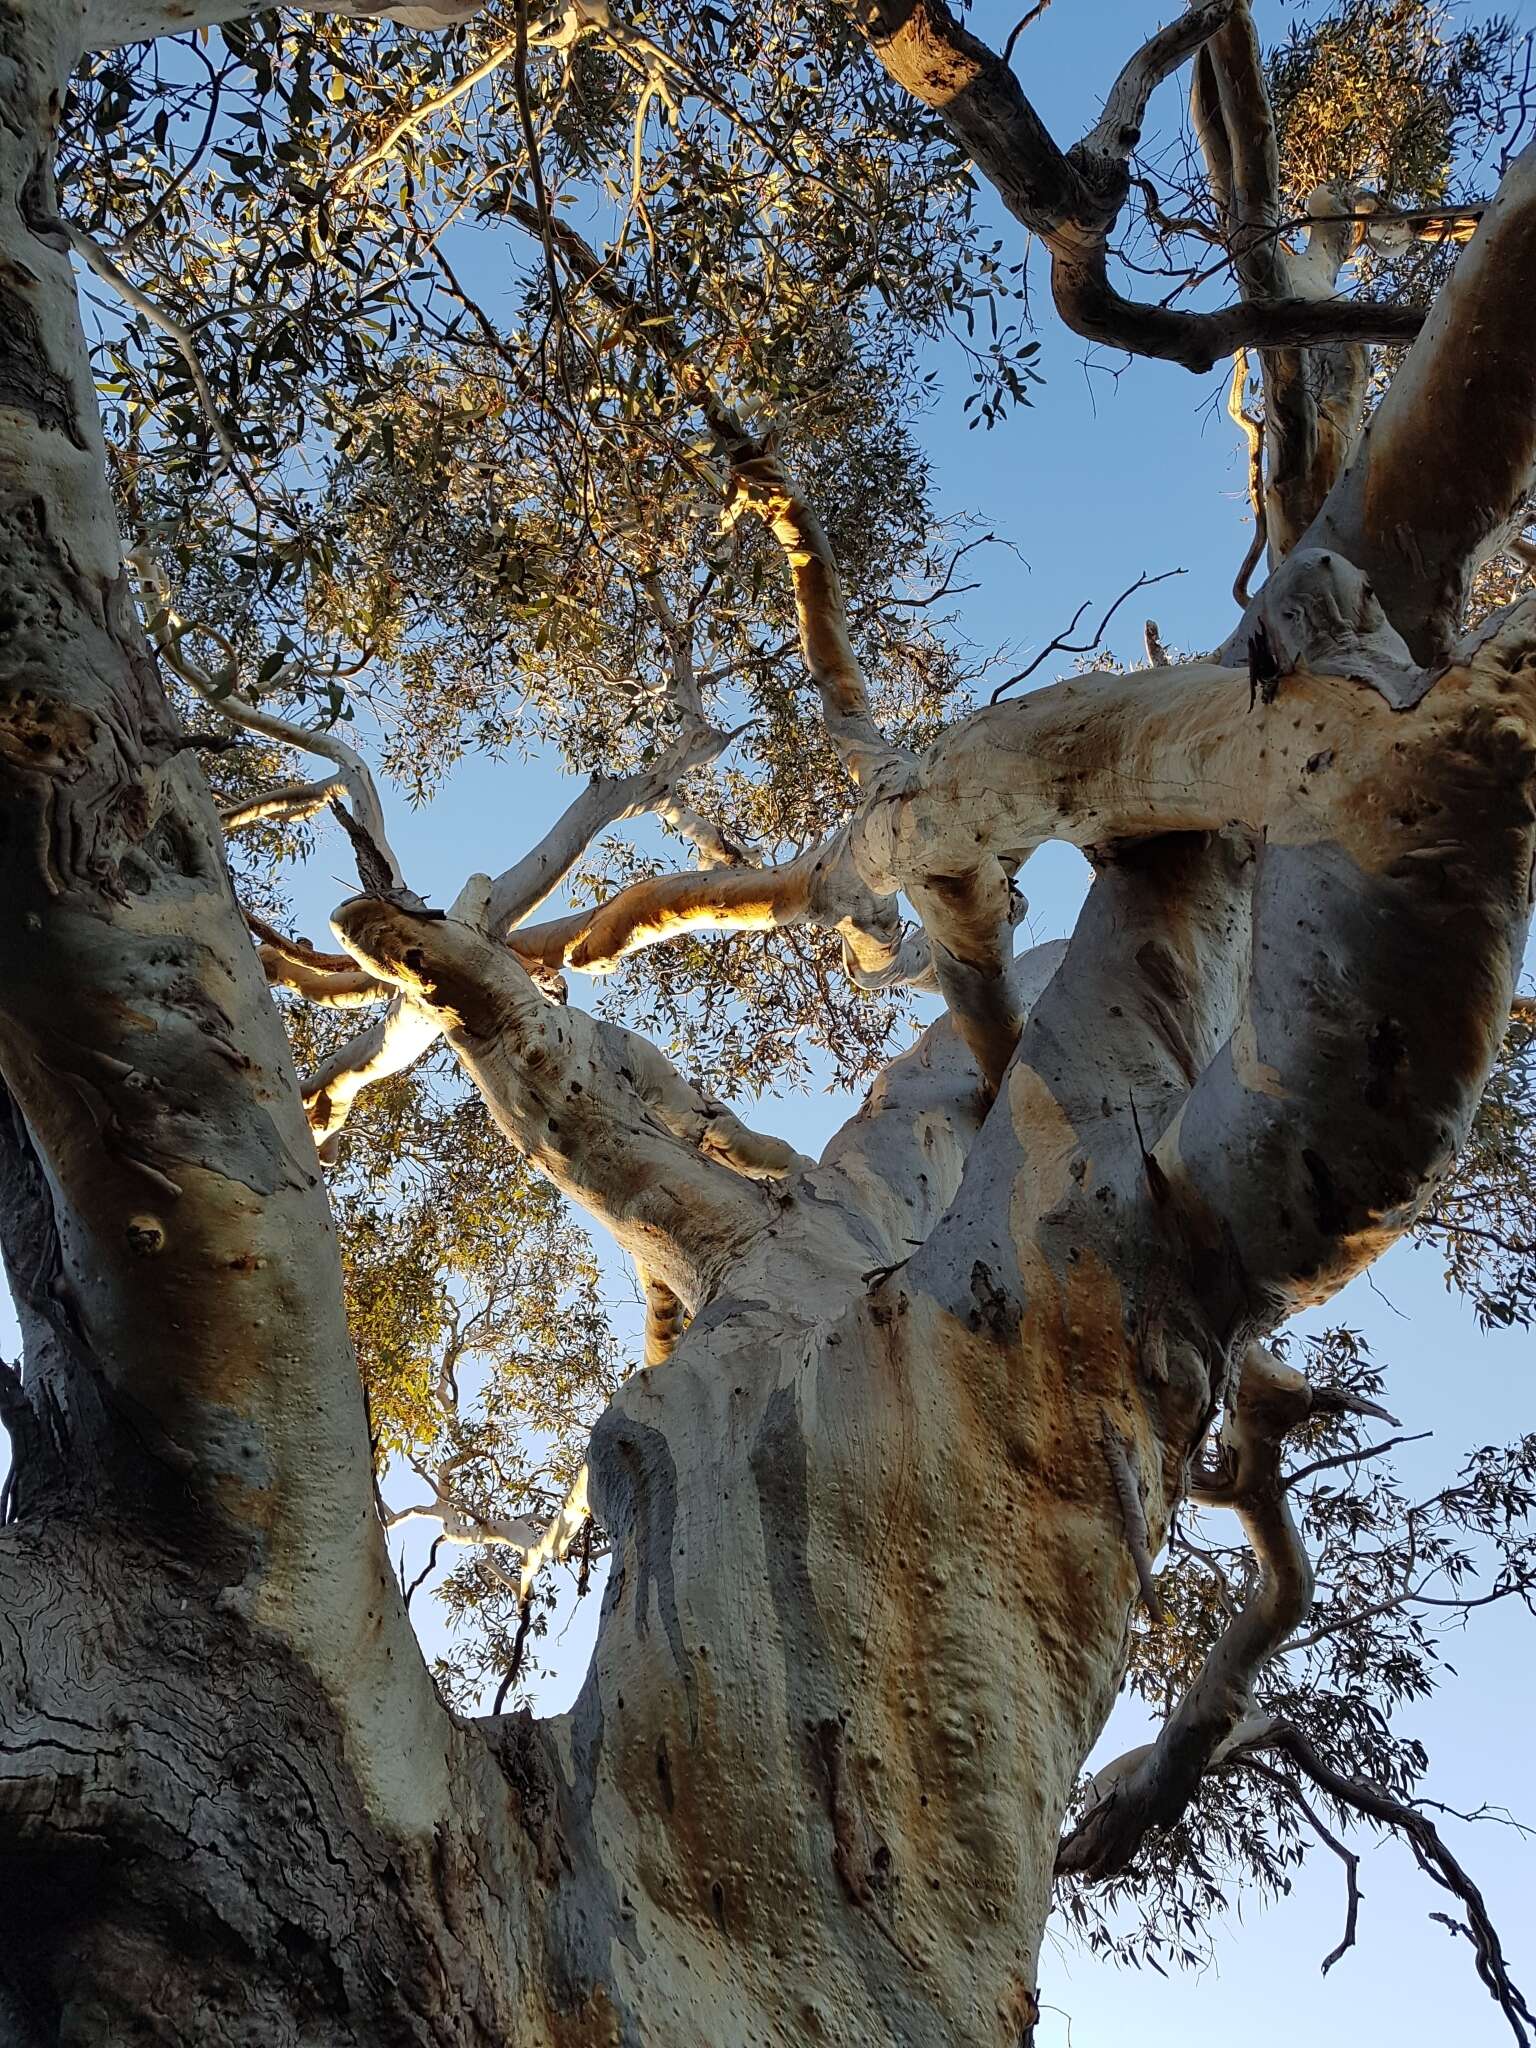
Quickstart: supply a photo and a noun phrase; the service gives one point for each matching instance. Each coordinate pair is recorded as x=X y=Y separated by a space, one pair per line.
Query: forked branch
x=599 y=1112
x=1150 y=1787
x=1072 y=199
x=1355 y=1797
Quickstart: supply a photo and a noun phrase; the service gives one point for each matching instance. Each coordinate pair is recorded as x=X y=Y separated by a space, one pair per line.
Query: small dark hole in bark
x=1330 y=1210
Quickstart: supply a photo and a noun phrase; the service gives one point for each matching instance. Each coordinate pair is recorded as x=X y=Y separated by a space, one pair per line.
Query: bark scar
x=1121 y=1460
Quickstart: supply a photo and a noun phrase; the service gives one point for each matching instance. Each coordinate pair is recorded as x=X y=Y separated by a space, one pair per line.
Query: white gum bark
x=187 y=1234
x=1314 y=397
x=1411 y=511
x=598 y=1111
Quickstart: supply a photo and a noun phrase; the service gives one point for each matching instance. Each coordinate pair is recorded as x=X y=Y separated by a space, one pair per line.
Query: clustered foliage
x=433 y=480
x=1484 y=1219
x=1394 y=94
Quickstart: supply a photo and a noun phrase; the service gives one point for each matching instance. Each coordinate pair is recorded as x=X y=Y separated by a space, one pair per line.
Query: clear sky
x=1110 y=475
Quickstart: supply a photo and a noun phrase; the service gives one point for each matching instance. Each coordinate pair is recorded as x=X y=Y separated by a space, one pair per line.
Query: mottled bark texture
x=878 y=1523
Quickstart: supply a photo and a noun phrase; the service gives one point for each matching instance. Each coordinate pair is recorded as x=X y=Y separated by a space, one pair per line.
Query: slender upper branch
x=825 y=641
x=1072 y=199
x=1118 y=129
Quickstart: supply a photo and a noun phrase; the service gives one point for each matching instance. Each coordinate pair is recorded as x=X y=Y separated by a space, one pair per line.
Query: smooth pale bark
x=1313 y=398
x=106 y=24
x=184 y=1207
x=1443 y=470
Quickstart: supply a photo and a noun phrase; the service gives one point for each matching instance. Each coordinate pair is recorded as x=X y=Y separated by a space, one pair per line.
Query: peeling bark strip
x=1121 y=1460
x=862 y=1864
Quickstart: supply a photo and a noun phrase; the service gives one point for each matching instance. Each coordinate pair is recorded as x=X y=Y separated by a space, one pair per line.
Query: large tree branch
x=1072 y=199
x=600 y=1113
x=395 y=1041
x=820 y=887
x=970 y=919
x=1330 y=780
x=1445 y=466
x=107 y=24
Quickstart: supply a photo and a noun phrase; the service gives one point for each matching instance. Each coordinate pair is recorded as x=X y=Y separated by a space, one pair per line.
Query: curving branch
x=820 y=887
x=1253 y=433
x=1118 y=129
x=1151 y=1786
x=398 y=1039
x=1098 y=759
x=386 y=1047
x=1072 y=199
x=597 y=1111
x=969 y=919
x=168 y=632
x=761 y=485
x=96 y=259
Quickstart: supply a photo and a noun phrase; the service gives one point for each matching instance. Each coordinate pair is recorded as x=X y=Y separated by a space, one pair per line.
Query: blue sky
x=1118 y=470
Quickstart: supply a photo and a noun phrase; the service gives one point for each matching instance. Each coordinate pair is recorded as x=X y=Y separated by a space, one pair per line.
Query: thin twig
x=1352 y=1457
x=425 y=1573
x=1062 y=645
x=519 y=1641
x=1019 y=27
x=1346 y=1856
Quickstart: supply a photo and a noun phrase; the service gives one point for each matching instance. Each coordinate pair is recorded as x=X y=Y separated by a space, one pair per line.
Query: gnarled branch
x=1150 y=1787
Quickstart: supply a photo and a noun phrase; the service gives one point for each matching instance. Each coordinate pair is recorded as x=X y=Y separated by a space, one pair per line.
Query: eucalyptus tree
x=884 y=1508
